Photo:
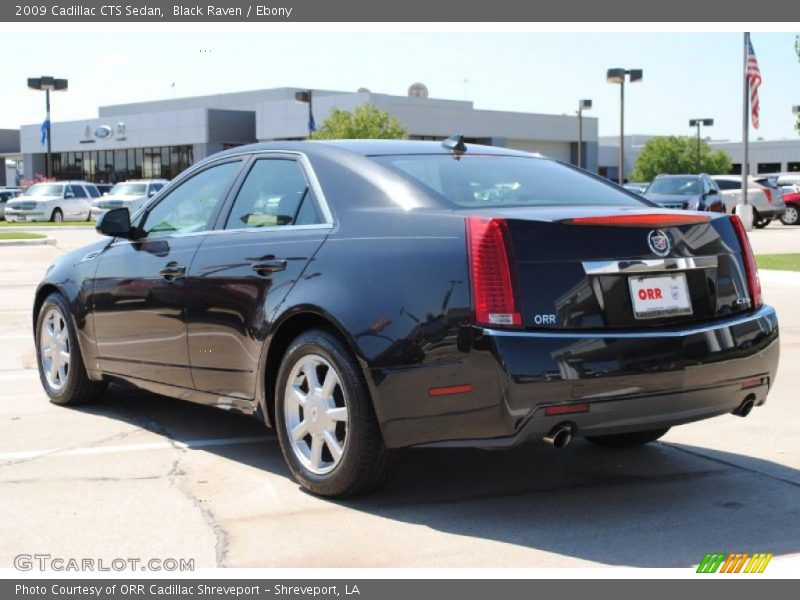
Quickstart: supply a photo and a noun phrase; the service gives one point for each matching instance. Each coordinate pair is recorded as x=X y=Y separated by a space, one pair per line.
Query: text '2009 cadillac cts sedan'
x=366 y=296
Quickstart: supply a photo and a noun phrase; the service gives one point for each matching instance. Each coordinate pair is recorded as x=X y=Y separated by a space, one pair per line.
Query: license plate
x=659 y=296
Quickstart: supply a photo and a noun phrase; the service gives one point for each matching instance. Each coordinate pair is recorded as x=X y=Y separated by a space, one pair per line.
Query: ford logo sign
x=103 y=132
x=659 y=242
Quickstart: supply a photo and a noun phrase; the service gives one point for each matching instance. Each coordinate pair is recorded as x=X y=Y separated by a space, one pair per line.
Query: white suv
x=131 y=194
x=53 y=201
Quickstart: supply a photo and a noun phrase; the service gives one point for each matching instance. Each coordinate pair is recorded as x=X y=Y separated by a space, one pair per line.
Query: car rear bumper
x=628 y=381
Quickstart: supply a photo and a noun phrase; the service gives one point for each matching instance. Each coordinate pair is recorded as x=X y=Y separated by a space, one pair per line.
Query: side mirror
x=115 y=223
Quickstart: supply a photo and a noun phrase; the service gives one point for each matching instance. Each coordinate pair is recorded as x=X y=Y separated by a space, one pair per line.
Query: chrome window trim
x=765 y=312
x=649 y=265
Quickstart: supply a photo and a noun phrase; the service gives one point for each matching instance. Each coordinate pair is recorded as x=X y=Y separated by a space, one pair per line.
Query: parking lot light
x=617 y=75
x=698 y=123
x=582 y=106
x=48 y=84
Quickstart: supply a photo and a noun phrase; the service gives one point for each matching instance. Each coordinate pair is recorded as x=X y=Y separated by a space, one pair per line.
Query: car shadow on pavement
x=663 y=505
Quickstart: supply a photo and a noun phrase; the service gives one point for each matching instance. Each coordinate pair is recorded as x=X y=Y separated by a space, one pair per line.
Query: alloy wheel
x=315 y=410
x=790 y=217
x=54 y=349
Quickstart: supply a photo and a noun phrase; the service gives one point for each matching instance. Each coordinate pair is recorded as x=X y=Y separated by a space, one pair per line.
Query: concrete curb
x=46 y=241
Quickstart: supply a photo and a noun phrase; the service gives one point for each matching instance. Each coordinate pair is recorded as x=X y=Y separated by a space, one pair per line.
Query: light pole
x=307 y=97
x=697 y=123
x=618 y=76
x=582 y=106
x=47 y=84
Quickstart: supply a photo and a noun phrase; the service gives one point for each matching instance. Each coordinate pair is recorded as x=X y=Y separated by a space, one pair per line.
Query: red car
x=792 y=214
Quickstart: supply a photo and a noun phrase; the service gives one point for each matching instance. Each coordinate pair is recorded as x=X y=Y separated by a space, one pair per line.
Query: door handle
x=172 y=271
x=269 y=266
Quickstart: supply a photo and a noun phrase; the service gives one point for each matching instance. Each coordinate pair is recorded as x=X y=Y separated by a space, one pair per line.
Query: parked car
x=53 y=201
x=765 y=198
x=132 y=194
x=5 y=195
x=685 y=192
x=636 y=188
x=366 y=296
x=791 y=215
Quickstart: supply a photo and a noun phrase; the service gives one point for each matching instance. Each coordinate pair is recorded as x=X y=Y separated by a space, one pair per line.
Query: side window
x=93 y=192
x=77 y=191
x=188 y=208
x=274 y=193
x=154 y=187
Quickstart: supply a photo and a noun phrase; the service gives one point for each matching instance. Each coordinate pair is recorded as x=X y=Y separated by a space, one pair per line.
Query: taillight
x=492 y=288
x=768 y=194
x=644 y=220
x=751 y=271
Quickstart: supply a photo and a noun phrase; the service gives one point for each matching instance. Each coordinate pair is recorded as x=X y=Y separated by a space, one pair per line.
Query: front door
x=139 y=300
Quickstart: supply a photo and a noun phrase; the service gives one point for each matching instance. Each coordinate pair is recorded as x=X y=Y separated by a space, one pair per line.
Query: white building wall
x=168 y=128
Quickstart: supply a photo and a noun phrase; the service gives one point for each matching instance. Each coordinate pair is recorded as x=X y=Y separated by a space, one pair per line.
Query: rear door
x=274 y=225
x=139 y=300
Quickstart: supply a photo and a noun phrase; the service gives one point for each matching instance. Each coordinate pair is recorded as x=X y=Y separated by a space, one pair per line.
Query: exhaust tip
x=559 y=436
x=746 y=407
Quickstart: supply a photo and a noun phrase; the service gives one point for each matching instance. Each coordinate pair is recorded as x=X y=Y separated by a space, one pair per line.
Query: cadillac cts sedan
x=362 y=297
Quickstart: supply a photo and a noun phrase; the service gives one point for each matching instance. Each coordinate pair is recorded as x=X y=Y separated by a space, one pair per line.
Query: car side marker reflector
x=566 y=409
x=643 y=220
x=449 y=390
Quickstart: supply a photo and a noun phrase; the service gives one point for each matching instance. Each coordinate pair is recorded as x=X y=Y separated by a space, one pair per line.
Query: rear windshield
x=484 y=181
x=687 y=186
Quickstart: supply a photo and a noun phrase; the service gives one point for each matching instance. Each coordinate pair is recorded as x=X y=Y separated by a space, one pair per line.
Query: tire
x=628 y=440
x=65 y=384
x=57 y=216
x=791 y=216
x=364 y=462
x=761 y=223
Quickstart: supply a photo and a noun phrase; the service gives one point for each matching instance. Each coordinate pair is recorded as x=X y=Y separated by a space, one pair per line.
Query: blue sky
x=685 y=74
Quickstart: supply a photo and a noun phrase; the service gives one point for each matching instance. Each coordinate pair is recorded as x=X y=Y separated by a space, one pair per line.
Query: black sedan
x=362 y=297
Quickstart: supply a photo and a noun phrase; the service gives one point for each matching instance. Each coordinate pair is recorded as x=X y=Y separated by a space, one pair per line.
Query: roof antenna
x=455 y=143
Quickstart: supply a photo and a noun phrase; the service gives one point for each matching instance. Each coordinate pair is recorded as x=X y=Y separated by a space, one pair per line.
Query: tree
x=678 y=154
x=365 y=122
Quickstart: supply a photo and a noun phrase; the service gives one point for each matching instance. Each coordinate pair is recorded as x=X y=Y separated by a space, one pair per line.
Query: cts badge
x=659 y=242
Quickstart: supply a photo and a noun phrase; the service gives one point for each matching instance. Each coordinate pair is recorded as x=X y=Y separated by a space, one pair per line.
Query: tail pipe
x=559 y=436
x=745 y=407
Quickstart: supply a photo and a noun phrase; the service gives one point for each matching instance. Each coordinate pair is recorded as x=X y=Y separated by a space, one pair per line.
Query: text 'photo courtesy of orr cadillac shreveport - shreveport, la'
x=411 y=293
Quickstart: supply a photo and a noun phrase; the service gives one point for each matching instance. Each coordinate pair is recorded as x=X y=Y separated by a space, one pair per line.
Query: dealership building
x=161 y=138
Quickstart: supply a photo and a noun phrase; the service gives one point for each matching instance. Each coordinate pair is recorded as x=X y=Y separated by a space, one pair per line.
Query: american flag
x=753 y=75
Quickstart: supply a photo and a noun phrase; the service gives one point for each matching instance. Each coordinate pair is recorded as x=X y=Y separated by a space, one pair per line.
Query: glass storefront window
x=112 y=166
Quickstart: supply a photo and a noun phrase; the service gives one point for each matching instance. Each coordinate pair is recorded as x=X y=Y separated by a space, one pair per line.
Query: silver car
x=767 y=203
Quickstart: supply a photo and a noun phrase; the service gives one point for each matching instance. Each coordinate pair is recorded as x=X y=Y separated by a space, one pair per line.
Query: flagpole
x=49 y=162
x=743 y=209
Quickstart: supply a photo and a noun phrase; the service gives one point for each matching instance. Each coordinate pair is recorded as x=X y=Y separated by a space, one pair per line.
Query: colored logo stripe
x=734 y=562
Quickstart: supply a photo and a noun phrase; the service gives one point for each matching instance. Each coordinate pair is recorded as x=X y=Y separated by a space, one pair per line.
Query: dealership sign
x=104 y=132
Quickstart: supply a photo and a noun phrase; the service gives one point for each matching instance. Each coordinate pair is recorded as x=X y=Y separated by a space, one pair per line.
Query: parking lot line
x=165 y=445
